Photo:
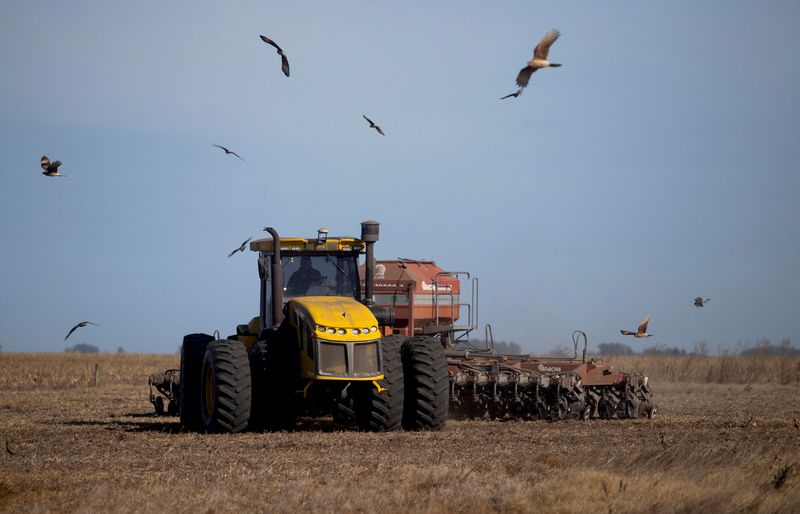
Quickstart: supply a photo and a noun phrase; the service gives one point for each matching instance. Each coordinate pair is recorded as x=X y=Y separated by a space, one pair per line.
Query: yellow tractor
x=317 y=348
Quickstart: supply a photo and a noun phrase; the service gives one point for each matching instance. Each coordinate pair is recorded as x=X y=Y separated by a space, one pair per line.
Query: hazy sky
x=659 y=163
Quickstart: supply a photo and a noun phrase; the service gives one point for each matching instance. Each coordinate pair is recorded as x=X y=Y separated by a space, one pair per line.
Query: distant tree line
x=509 y=347
x=762 y=348
x=82 y=348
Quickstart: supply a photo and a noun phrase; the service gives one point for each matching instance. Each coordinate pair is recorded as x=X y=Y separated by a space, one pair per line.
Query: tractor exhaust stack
x=369 y=234
x=277 y=279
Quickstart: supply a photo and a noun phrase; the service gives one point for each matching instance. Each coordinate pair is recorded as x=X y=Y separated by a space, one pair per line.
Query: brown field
x=721 y=443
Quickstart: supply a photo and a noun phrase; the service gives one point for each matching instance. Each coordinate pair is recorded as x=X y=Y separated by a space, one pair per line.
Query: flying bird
x=372 y=125
x=539 y=58
x=241 y=248
x=228 y=152
x=80 y=325
x=641 y=331
x=699 y=302
x=519 y=92
x=51 y=168
x=284 y=60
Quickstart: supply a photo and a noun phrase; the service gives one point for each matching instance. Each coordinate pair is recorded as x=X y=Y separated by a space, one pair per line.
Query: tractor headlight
x=373 y=329
x=365 y=331
x=320 y=328
x=341 y=331
x=331 y=330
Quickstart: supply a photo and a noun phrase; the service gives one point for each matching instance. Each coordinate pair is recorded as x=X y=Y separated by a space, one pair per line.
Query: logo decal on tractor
x=433 y=287
x=551 y=369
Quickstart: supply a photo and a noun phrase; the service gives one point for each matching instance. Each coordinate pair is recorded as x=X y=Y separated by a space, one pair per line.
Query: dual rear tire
x=215 y=387
x=225 y=391
x=193 y=350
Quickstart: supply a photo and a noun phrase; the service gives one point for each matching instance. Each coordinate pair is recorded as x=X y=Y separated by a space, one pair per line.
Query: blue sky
x=658 y=164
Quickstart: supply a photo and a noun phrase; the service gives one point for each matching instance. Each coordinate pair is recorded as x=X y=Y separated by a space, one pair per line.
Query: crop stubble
x=713 y=447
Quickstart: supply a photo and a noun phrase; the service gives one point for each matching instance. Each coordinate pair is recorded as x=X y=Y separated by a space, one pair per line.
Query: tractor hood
x=335 y=318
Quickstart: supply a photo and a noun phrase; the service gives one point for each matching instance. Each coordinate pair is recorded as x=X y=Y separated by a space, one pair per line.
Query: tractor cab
x=311 y=303
x=293 y=268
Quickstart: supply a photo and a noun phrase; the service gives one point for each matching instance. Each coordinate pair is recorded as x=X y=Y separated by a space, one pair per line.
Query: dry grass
x=85 y=449
x=714 y=370
x=60 y=371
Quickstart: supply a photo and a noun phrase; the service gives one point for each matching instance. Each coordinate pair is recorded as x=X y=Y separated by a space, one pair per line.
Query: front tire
x=380 y=412
x=225 y=387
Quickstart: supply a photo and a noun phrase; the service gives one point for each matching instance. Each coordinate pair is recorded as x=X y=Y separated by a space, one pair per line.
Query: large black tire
x=192 y=351
x=629 y=409
x=159 y=405
x=274 y=373
x=427 y=384
x=380 y=412
x=606 y=409
x=225 y=387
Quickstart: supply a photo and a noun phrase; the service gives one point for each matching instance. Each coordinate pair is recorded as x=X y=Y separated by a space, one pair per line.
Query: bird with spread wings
x=241 y=247
x=228 y=152
x=539 y=60
x=79 y=325
x=284 y=59
x=50 y=168
x=373 y=125
x=641 y=331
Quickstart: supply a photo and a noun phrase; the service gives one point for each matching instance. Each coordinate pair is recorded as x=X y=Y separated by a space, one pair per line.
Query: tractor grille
x=355 y=360
x=366 y=360
x=332 y=358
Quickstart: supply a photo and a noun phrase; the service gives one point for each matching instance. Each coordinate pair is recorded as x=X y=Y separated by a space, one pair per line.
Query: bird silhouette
x=699 y=302
x=241 y=248
x=516 y=94
x=539 y=58
x=372 y=125
x=284 y=60
x=50 y=168
x=228 y=152
x=641 y=331
x=80 y=325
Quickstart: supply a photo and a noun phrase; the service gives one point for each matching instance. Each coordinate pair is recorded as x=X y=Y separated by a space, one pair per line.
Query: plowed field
x=70 y=446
